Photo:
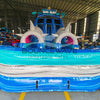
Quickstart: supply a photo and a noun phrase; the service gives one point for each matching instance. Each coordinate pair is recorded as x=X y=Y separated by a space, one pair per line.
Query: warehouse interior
x=83 y=14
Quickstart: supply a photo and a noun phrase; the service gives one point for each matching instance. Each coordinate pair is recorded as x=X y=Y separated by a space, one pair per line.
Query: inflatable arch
x=65 y=33
x=34 y=35
x=71 y=38
x=26 y=37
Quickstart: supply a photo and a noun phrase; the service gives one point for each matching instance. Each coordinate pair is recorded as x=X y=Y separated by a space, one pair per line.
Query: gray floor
x=51 y=96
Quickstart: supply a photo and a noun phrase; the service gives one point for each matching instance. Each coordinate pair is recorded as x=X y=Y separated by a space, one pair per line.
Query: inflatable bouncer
x=48 y=58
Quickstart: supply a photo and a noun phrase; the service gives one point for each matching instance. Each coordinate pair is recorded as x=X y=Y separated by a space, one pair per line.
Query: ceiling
x=74 y=9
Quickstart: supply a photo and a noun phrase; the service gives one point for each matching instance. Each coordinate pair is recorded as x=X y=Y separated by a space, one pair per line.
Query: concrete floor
x=50 y=96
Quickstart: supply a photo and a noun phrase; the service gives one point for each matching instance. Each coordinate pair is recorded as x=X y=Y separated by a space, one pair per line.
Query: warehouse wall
x=98 y=25
x=15 y=19
x=91 y=26
x=73 y=28
x=80 y=26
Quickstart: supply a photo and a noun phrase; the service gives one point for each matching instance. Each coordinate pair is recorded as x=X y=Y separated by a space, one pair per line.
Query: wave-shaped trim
x=49 y=71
